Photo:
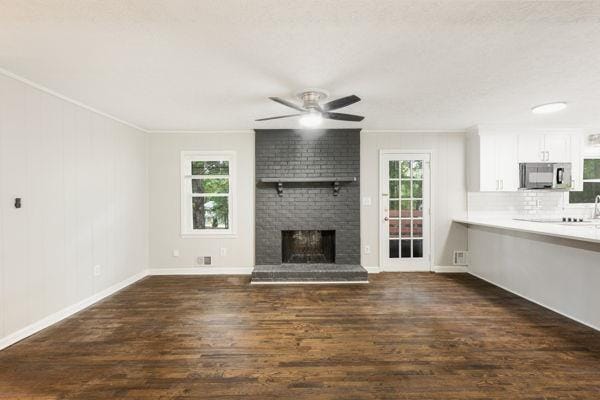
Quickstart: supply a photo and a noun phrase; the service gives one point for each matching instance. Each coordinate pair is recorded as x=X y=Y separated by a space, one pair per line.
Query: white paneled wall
x=83 y=181
x=448 y=189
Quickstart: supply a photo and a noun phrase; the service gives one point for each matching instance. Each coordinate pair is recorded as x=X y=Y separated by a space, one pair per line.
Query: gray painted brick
x=288 y=153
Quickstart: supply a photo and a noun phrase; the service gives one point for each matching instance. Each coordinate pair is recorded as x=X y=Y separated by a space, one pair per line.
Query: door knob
x=386 y=219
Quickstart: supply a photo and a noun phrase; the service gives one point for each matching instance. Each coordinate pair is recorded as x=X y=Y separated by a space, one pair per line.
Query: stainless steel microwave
x=554 y=176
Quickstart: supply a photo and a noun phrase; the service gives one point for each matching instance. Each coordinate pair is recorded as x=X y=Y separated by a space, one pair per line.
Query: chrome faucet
x=596 y=214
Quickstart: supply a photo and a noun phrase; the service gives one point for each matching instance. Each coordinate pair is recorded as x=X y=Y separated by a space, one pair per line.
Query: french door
x=405 y=211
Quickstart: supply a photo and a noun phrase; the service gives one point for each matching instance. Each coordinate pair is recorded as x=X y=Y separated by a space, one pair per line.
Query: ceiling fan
x=311 y=112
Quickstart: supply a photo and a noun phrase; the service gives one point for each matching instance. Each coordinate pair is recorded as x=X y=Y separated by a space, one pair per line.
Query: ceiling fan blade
x=341 y=102
x=287 y=103
x=281 y=116
x=342 y=117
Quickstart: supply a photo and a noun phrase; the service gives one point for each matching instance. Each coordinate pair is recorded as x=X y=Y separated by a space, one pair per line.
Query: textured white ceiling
x=210 y=65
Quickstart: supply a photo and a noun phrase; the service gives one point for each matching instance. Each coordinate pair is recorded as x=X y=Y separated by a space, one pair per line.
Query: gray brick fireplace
x=324 y=195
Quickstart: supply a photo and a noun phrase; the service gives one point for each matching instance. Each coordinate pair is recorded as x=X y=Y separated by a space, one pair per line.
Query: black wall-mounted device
x=18 y=202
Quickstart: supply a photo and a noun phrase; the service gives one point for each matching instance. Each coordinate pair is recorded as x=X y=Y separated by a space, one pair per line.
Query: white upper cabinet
x=492 y=163
x=544 y=147
x=494 y=154
x=557 y=147
x=531 y=148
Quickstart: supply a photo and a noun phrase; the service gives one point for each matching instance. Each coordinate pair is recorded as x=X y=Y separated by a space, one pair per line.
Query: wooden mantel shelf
x=336 y=180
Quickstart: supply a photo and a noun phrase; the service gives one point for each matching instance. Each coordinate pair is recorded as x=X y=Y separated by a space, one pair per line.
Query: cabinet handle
x=543 y=155
x=547 y=155
x=501 y=184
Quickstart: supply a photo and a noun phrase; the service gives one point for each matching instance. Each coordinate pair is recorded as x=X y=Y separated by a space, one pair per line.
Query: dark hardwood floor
x=404 y=336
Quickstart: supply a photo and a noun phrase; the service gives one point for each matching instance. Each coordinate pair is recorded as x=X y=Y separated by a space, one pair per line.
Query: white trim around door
x=405 y=210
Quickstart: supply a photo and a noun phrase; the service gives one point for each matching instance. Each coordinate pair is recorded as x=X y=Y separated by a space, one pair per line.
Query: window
x=207 y=189
x=591 y=182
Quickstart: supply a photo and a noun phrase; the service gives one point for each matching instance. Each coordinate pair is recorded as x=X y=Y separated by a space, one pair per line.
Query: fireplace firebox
x=308 y=246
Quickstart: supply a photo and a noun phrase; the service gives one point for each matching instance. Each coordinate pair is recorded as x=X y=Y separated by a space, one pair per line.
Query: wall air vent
x=204 y=260
x=461 y=257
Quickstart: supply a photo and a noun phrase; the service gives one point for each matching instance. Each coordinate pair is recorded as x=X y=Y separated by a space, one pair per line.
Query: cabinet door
x=557 y=147
x=531 y=148
x=488 y=179
x=507 y=163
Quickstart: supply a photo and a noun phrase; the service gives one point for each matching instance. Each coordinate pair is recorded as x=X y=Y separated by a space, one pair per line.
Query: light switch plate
x=366 y=201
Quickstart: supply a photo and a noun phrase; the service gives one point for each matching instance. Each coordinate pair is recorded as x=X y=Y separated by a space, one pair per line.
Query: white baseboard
x=373 y=270
x=445 y=269
x=536 y=302
x=201 y=271
x=311 y=283
x=67 y=312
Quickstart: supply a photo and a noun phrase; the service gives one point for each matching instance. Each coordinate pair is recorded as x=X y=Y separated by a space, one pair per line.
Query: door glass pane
x=418 y=248
x=393 y=211
x=417 y=209
x=394 y=228
x=394 y=190
x=417 y=189
x=405 y=245
x=210 y=167
x=405 y=225
x=394 y=169
x=417 y=168
x=210 y=186
x=405 y=169
x=394 y=250
x=405 y=208
x=406 y=189
x=210 y=212
x=417 y=225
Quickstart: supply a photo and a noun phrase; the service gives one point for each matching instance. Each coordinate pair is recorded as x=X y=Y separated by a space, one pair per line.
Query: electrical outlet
x=175 y=253
x=366 y=201
x=97 y=270
x=223 y=251
x=367 y=249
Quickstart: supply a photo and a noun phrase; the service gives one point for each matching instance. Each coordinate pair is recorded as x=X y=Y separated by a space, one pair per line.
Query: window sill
x=208 y=235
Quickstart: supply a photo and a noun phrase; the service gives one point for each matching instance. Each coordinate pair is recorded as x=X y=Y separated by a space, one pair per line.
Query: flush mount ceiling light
x=549 y=108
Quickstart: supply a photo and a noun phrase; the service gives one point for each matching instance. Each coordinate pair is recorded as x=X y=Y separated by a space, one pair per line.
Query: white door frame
x=383 y=247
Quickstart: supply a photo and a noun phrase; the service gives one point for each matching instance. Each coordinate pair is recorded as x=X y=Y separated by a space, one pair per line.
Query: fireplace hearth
x=308 y=247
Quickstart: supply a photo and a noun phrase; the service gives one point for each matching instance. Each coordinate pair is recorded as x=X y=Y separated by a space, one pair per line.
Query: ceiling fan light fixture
x=312 y=119
x=549 y=107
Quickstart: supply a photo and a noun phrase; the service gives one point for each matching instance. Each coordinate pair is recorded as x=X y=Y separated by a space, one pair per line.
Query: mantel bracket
x=336 y=188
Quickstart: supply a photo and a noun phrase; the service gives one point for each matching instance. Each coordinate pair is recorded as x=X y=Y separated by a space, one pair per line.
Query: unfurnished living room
x=274 y=199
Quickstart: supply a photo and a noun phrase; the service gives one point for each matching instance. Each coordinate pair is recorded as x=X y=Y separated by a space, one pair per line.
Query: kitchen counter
x=586 y=233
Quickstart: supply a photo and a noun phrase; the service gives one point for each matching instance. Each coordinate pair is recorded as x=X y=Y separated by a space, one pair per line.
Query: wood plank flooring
x=404 y=336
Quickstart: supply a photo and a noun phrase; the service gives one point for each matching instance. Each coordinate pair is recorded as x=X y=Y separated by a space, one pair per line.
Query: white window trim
x=186 y=222
x=566 y=199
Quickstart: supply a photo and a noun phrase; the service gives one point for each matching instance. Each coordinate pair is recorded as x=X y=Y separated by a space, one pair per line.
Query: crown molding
x=415 y=131
x=51 y=92
x=195 y=132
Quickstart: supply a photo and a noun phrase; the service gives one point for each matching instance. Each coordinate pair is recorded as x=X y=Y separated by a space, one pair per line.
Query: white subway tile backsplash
x=523 y=203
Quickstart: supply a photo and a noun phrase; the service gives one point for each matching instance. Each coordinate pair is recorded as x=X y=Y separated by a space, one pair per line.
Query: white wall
x=83 y=181
x=448 y=181
x=165 y=203
x=560 y=274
